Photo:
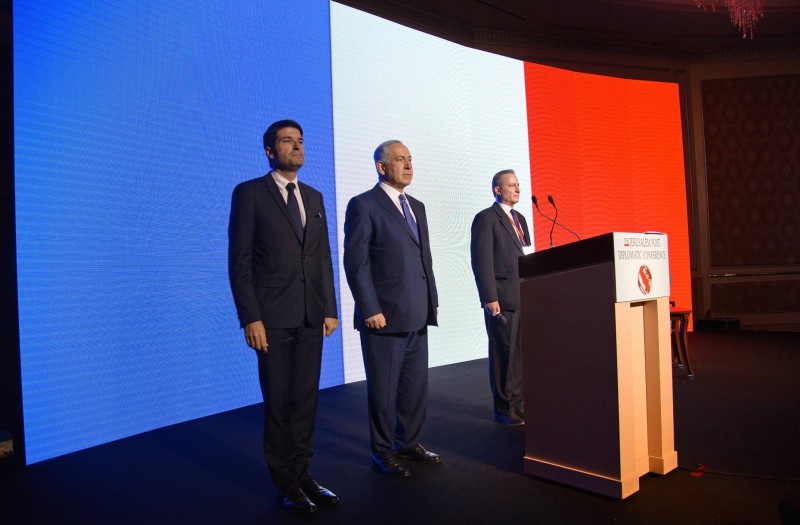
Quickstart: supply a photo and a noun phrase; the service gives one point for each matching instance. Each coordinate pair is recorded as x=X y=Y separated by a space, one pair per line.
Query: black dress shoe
x=318 y=494
x=295 y=500
x=509 y=421
x=418 y=453
x=390 y=465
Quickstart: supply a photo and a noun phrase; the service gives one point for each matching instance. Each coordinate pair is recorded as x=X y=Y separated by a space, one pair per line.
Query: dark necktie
x=518 y=227
x=294 y=211
x=409 y=218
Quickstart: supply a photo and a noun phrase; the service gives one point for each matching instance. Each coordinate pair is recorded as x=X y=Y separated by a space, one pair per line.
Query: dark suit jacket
x=494 y=248
x=388 y=272
x=274 y=276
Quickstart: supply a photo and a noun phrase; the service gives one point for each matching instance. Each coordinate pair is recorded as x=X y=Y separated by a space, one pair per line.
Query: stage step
x=720 y=324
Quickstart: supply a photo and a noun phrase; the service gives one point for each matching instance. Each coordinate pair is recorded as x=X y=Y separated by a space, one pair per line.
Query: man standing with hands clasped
x=499 y=236
x=279 y=264
x=387 y=260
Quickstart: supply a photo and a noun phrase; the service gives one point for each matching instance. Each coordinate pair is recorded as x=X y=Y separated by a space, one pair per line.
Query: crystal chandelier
x=744 y=13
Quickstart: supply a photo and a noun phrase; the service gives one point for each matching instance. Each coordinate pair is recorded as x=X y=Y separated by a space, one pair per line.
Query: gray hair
x=380 y=151
x=498 y=176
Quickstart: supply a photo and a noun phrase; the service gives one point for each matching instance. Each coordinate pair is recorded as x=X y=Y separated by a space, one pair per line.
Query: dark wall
x=751 y=128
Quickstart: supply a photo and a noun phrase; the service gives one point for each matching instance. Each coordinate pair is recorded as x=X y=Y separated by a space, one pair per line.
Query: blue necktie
x=409 y=218
x=294 y=211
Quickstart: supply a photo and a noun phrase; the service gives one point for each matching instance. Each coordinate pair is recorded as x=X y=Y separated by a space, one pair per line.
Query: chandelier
x=744 y=13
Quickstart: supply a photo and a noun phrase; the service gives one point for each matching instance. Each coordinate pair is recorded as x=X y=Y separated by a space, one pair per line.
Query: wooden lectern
x=597 y=362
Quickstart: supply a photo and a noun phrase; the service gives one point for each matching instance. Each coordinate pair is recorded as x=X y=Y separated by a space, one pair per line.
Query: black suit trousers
x=289 y=376
x=505 y=362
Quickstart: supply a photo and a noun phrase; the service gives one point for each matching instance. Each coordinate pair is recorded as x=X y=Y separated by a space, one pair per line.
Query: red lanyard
x=517 y=226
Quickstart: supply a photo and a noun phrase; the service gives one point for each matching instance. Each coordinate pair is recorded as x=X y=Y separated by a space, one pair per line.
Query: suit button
x=302 y=279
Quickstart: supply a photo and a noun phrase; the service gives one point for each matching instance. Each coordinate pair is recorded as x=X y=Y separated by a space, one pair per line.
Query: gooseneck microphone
x=550 y=198
x=555 y=219
x=536 y=204
x=551 y=219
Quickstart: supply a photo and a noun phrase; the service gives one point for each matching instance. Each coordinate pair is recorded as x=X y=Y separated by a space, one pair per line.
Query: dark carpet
x=737 y=433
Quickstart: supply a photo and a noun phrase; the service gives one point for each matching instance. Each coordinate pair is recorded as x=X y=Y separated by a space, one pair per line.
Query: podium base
x=597 y=483
x=665 y=464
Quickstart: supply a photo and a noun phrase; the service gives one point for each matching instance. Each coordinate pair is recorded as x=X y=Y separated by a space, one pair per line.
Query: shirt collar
x=506 y=207
x=282 y=181
x=393 y=193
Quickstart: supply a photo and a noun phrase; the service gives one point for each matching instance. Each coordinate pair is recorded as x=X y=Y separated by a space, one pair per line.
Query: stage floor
x=738 y=419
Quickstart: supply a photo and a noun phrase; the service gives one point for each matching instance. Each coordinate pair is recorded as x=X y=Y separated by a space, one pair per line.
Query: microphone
x=536 y=204
x=555 y=219
x=550 y=198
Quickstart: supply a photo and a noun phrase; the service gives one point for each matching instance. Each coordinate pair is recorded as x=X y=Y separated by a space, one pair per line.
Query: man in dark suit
x=281 y=274
x=387 y=260
x=499 y=236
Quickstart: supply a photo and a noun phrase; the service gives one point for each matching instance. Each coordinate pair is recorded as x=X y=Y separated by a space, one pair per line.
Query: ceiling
x=659 y=26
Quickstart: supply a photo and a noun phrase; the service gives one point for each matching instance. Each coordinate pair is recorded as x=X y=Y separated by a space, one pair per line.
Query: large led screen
x=134 y=120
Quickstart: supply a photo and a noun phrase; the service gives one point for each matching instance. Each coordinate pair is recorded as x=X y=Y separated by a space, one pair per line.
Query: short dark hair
x=272 y=131
x=498 y=176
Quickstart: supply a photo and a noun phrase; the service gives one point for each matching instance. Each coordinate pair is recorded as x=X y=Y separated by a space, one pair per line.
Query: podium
x=597 y=362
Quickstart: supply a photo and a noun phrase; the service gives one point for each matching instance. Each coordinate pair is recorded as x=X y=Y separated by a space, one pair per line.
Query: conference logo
x=645 y=279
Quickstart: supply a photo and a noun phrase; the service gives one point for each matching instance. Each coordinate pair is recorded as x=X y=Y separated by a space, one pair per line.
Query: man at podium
x=499 y=236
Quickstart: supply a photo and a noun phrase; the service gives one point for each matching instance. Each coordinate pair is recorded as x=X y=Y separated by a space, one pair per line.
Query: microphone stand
x=555 y=219
x=550 y=198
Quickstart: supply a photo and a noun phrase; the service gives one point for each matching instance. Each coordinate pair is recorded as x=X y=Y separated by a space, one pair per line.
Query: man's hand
x=256 y=336
x=376 y=322
x=330 y=325
x=493 y=308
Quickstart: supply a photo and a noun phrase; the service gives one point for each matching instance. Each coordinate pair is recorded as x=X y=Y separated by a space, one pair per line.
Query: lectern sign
x=641 y=266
